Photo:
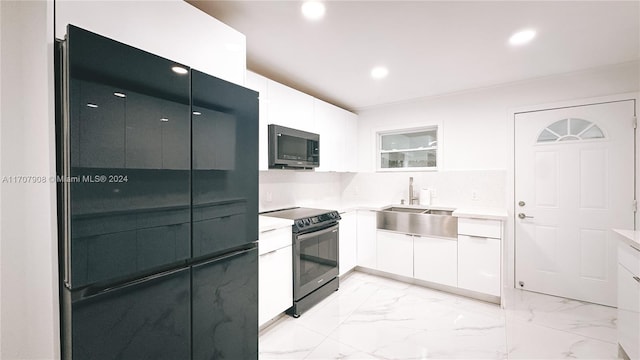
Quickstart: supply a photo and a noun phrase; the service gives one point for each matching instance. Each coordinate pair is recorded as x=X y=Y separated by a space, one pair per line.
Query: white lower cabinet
x=366 y=239
x=275 y=291
x=275 y=278
x=629 y=300
x=347 y=242
x=435 y=260
x=479 y=264
x=395 y=253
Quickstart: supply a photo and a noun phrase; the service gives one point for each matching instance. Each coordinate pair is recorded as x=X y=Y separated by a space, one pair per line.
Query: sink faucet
x=412 y=197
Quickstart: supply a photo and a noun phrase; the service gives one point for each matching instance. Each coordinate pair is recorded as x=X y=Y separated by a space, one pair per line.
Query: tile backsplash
x=287 y=188
x=474 y=188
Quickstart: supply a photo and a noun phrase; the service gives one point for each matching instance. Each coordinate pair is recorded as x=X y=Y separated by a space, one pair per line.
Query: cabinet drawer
x=480 y=227
x=275 y=239
x=629 y=258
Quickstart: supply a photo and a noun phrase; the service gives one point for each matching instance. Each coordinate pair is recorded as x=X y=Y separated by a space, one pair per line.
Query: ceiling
x=429 y=47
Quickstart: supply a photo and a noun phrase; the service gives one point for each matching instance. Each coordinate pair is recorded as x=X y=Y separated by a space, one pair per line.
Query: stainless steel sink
x=405 y=209
x=419 y=221
x=438 y=212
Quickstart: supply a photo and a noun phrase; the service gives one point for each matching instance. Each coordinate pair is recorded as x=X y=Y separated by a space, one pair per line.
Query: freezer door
x=149 y=319
x=225 y=307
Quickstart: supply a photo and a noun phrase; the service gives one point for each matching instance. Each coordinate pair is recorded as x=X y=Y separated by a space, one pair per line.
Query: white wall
x=475 y=122
x=477 y=136
x=172 y=29
x=29 y=308
x=0 y=182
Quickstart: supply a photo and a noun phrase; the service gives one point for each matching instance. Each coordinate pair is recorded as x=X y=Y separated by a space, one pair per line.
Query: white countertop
x=630 y=237
x=270 y=223
x=482 y=213
x=469 y=212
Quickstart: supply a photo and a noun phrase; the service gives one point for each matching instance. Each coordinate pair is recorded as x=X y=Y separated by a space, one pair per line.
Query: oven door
x=315 y=260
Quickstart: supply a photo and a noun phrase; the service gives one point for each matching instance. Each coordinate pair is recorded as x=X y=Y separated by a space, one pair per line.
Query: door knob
x=521 y=203
x=523 y=216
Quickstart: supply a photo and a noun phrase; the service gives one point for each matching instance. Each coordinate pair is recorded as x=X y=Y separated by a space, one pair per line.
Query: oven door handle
x=333 y=228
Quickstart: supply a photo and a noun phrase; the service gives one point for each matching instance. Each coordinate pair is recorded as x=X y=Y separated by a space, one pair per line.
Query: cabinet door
x=366 y=239
x=329 y=123
x=435 y=260
x=291 y=108
x=479 y=264
x=276 y=283
x=348 y=243
x=225 y=308
x=628 y=312
x=350 y=155
x=395 y=253
x=144 y=320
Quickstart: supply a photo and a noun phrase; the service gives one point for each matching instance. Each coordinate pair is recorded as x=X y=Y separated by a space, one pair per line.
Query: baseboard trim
x=444 y=288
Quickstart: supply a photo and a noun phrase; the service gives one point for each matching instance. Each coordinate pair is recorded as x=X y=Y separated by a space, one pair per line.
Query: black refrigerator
x=157 y=168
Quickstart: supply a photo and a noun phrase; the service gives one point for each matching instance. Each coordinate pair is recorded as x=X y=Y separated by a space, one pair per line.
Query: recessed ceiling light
x=92 y=105
x=120 y=95
x=522 y=37
x=197 y=113
x=379 y=72
x=313 y=9
x=179 y=70
x=164 y=119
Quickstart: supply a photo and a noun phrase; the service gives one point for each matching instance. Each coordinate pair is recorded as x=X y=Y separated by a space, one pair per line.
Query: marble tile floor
x=372 y=317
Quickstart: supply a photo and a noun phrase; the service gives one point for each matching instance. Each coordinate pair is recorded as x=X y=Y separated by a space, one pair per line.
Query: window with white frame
x=408 y=150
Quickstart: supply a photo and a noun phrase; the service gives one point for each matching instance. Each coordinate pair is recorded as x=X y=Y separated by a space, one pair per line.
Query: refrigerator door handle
x=64 y=182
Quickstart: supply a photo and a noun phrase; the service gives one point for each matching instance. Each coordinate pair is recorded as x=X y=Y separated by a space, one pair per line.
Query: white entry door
x=574 y=182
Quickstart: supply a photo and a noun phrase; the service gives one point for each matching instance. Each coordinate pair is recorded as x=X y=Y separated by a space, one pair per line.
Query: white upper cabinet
x=260 y=83
x=338 y=137
x=330 y=124
x=282 y=105
x=350 y=155
x=289 y=107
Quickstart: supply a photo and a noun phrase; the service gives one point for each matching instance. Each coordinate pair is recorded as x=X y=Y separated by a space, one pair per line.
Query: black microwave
x=291 y=148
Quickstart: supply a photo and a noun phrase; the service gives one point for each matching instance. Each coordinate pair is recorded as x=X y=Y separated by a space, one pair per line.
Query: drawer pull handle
x=270 y=252
x=266 y=231
x=636 y=279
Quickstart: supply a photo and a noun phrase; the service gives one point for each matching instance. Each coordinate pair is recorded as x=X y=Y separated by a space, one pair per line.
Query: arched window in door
x=570 y=129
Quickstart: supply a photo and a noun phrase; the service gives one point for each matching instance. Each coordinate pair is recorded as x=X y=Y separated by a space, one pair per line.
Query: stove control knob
x=307 y=221
x=299 y=223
